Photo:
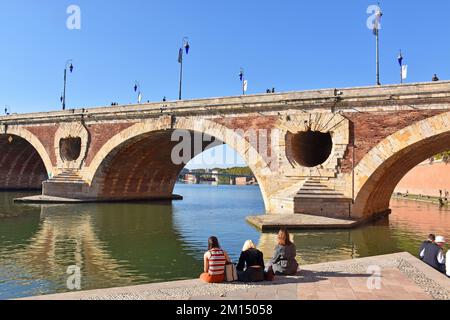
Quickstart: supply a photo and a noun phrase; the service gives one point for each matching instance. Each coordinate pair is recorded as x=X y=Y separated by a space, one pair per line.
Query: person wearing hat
x=433 y=254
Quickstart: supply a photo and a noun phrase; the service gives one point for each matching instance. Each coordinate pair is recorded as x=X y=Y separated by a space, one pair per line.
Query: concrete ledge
x=299 y=221
x=41 y=199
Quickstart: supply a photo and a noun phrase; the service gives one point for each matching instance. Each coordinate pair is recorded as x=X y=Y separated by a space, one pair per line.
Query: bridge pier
x=67 y=184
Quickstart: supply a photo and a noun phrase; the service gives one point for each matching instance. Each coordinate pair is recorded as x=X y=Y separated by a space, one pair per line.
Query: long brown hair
x=283 y=238
x=213 y=243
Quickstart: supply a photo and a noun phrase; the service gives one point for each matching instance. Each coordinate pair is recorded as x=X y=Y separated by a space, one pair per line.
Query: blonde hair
x=248 y=245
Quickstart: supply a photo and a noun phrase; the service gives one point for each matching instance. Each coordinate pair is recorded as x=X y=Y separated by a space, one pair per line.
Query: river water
x=134 y=243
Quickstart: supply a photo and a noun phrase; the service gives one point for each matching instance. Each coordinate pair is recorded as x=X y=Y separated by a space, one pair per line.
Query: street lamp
x=184 y=48
x=376 y=32
x=69 y=66
x=137 y=88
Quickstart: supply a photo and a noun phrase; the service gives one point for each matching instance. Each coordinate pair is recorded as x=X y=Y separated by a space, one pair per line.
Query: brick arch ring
x=35 y=142
x=238 y=143
x=379 y=172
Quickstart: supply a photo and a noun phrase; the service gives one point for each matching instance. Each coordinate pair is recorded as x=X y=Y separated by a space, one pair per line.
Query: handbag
x=269 y=275
x=230 y=272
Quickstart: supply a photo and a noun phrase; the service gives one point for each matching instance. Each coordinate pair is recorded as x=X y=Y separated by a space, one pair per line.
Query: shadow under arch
x=137 y=163
x=22 y=166
x=384 y=166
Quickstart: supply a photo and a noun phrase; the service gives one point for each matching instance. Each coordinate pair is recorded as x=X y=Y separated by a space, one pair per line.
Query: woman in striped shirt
x=214 y=262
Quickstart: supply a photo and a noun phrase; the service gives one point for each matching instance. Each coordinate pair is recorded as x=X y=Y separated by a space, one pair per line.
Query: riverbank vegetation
x=225 y=173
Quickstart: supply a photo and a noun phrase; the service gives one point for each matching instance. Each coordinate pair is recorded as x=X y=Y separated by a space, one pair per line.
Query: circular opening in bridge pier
x=311 y=148
x=70 y=148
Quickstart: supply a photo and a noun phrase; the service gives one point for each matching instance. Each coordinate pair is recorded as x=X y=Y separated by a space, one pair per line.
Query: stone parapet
x=375 y=98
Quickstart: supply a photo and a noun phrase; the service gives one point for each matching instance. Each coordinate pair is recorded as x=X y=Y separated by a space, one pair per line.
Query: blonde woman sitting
x=251 y=264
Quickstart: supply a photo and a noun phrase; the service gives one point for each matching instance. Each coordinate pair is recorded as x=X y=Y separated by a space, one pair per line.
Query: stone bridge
x=335 y=152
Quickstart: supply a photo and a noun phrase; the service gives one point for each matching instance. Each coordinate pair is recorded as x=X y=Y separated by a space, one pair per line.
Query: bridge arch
x=380 y=171
x=149 y=144
x=24 y=162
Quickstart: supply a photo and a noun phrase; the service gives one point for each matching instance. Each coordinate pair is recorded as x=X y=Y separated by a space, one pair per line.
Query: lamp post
x=184 y=48
x=69 y=66
x=376 y=31
x=378 y=56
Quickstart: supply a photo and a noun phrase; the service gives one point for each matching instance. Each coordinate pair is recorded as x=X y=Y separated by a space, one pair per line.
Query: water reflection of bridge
x=64 y=239
x=121 y=244
x=331 y=245
x=114 y=245
x=400 y=232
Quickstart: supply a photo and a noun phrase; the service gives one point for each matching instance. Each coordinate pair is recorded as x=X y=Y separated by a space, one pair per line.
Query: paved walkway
x=402 y=277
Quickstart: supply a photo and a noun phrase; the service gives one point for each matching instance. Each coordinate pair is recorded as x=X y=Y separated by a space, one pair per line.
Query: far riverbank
x=443 y=202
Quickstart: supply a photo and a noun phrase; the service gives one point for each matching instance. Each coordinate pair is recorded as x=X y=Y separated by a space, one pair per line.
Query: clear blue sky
x=289 y=45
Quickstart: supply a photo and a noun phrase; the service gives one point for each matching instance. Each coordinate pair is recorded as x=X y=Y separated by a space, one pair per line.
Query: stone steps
x=316 y=189
x=323 y=199
x=313 y=197
x=68 y=182
x=68 y=176
x=283 y=201
x=316 y=198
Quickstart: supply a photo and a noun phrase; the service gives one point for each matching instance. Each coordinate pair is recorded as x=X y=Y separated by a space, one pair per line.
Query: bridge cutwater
x=339 y=152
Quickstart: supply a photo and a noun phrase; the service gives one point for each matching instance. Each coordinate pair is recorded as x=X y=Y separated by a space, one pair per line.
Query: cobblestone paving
x=216 y=290
x=430 y=286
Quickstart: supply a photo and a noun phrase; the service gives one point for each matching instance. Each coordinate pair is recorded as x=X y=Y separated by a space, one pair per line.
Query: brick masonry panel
x=46 y=134
x=368 y=129
x=100 y=134
x=256 y=123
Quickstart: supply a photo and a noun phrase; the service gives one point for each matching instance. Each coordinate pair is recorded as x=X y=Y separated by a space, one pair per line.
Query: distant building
x=244 y=181
x=215 y=175
x=190 y=178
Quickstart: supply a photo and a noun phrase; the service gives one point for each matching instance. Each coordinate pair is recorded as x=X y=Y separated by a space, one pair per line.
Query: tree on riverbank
x=444 y=156
x=235 y=171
